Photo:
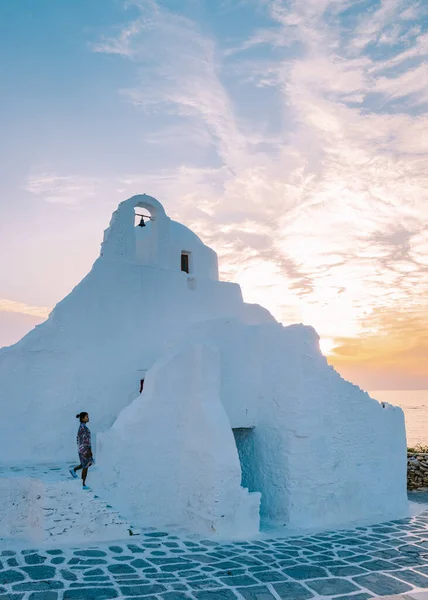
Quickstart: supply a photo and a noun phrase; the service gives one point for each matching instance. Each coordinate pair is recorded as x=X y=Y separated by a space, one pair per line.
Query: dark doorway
x=245 y=443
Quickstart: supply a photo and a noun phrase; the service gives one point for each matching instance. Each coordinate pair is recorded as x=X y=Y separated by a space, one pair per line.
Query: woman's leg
x=84 y=474
x=77 y=468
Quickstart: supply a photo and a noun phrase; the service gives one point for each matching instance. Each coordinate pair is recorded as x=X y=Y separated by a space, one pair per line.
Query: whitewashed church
x=240 y=419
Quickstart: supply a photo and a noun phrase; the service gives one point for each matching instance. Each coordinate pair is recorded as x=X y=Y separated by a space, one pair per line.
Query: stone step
x=46 y=506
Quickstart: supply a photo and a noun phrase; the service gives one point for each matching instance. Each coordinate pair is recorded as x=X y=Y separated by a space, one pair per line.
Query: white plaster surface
x=186 y=472
x=42 y=506
x=322 y=453
x=319 y=450
x=90 y=353
x=21 y=514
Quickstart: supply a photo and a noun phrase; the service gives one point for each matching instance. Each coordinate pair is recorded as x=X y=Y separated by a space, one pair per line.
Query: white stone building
x=240 y=417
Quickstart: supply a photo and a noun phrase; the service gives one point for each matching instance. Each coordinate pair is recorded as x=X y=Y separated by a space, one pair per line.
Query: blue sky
x=292 y=136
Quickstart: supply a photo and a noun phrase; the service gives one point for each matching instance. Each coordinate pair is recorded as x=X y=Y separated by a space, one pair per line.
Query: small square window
x=185 y=262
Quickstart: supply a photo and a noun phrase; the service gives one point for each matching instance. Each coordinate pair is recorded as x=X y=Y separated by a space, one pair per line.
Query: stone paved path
x=50 y=507
x=358 y=564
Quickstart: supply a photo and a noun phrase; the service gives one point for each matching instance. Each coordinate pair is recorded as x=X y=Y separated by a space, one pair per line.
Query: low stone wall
x=417 y=470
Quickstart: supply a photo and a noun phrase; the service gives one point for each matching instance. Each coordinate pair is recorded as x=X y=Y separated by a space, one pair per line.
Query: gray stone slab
x=346 y=571
x=292 y=591
x=411 y=549
x=179 y=587
x=228 y=565
x=38 y=586
x=379 y=565
x=135 y=549
x=215 y=595
x=91 y=572
x=90 y=594
x=87 y=562
x=204 y=585
x=359 y=558
x=140 y=563
x=387 y=554
x=250 y=561
x=34 y=559
x=91 y=553
x=42 y=572
x=179 y=567
x=239 y=580
x=176 y=560
x=120 y=569
x=382 y=584
x=408 y=561
x=201 y=558
x=302 y=572
x=259 y=592
x=12 y=562
x=270 y=576
x=88 y=584
x=11 y=576
x=142 y=590
x=333 y=563
x=68 y=575
x=285 y=563
x=351 y=542
x=332 y=586
x=416 y=579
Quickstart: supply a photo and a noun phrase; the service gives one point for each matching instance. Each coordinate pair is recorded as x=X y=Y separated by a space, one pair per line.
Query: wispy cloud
x=12 y=306
x=316 y=196
x=62 y=189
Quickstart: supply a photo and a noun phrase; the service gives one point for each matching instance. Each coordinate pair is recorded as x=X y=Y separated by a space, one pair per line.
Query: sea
x=415 y=406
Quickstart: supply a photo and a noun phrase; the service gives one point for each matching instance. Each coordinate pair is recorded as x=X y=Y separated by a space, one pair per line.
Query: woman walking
x=84 y=448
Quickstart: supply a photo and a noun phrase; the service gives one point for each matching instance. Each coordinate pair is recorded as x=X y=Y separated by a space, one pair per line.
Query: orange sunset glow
x=292 y=137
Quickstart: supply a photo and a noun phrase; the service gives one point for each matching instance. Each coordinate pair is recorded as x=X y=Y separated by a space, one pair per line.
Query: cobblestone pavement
x=366 y=562
x=363 y=563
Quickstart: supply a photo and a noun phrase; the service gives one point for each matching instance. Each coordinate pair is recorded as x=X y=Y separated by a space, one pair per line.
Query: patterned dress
x=84 y=446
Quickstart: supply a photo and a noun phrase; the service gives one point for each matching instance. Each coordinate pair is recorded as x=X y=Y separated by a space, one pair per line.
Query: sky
x=290 y=135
